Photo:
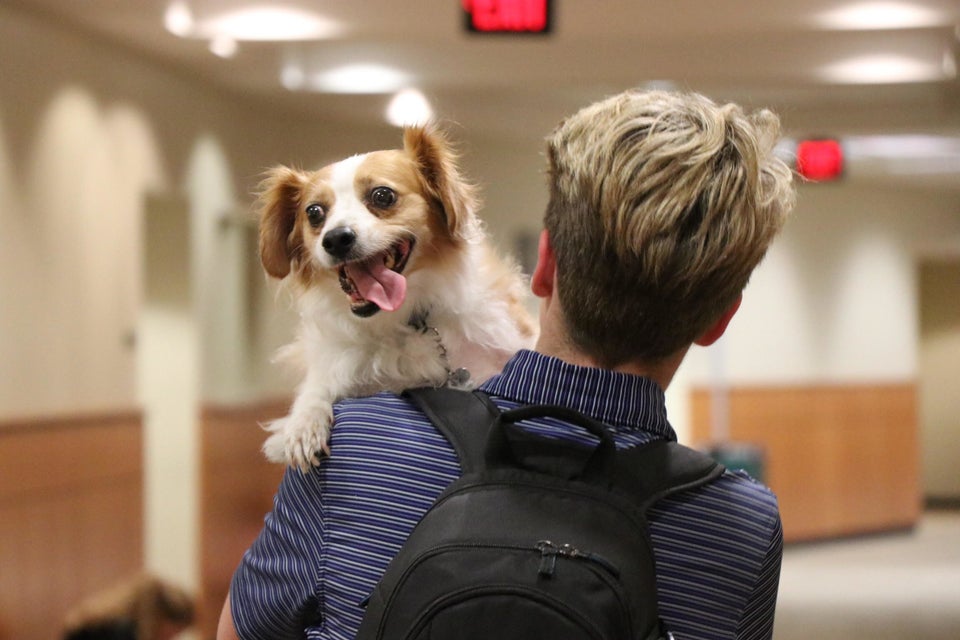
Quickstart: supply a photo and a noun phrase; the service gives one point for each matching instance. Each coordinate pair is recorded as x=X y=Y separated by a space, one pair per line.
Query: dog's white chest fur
x=346 y=358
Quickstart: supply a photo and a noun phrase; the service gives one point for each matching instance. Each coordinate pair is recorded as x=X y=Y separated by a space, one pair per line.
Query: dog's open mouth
x=377 y=282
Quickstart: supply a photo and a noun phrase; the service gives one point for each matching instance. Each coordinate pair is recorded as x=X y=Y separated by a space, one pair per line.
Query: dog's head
x=369 y=221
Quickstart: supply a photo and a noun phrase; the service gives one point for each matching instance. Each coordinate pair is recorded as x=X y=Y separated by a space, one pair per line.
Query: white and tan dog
x=396 y=284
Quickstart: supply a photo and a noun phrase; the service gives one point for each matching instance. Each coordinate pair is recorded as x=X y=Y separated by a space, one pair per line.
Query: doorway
x=939 y=377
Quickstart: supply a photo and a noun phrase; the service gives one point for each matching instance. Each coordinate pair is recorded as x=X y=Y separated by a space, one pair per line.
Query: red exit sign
x=820 y=160
x=507 y=16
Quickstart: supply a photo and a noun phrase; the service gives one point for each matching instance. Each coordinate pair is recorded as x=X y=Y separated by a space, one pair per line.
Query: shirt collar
x=618 y=399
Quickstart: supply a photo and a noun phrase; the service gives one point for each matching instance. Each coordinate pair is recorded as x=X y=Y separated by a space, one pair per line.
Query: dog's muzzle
x=376 y=283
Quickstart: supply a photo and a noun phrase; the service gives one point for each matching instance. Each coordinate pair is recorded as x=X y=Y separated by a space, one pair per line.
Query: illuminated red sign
x=820 y=160
x=507 y=16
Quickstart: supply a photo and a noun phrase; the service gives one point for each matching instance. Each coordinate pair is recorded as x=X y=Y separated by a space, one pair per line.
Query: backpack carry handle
x=508 y=445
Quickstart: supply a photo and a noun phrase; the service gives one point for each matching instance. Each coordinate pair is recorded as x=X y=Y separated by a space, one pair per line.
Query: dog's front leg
x=299 y=438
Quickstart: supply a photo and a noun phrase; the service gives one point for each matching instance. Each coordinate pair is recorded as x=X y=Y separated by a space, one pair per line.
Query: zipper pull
x=549 y=552
x=573 y=552
x=548 y=558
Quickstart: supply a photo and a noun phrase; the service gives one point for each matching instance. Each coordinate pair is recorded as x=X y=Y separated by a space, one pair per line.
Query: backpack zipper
x=608 y=572
x=549 y=552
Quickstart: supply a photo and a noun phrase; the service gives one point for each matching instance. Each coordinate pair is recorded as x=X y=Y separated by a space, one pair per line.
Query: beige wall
x=835 y=300
x=88 y=135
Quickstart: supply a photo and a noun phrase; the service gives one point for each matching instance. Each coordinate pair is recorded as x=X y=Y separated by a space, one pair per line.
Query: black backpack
x=539 y=539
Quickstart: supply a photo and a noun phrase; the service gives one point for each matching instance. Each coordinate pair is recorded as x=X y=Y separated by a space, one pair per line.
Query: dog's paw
x=299 y=439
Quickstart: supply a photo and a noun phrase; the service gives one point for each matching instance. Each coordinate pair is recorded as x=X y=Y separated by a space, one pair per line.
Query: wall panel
x=237 y=487
x=842 y=459
x=71 y=515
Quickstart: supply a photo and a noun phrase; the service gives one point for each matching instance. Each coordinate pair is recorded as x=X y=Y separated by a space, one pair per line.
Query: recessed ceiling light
x=224 y=46
x=949 y=64
x=267 y=23
x=409 y=107
x=660 y=85
x=907 y=154
x=360 y=78
x=881 y=15
x=882 y=69
x=292 y=77
x=902 y=146
x=786 y=150
x=178 y=19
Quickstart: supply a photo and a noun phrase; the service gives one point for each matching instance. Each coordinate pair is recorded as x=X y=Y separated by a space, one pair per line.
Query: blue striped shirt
x=332 y=532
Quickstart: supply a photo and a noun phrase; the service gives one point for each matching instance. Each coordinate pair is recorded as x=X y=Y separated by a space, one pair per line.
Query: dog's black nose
x=338 y=242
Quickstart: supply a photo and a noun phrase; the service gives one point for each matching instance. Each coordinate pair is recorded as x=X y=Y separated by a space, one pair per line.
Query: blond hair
x=661 y=205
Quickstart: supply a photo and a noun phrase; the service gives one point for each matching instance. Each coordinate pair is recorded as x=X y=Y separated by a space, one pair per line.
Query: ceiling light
x=881 y=15
x=268 y=23
x=882 y=69
x=902 y=146
x=786 y=150
x=360 y=78
x=409 y=107
x=224 y=46
x=292 y=77
x=949 y=64
x=907 y=154
x=178 y=20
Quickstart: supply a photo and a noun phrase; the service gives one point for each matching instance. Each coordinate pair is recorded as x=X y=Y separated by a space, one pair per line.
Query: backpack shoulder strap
x=463 y=417
x=653 y=471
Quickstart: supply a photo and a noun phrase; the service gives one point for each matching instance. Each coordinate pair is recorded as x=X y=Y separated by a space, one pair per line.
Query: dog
x=396 y=283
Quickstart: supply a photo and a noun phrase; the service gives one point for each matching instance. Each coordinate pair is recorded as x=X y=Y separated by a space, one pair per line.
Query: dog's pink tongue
x=378 y=284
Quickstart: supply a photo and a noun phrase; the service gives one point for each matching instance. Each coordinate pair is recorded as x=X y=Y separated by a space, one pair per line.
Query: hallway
x=902 y=585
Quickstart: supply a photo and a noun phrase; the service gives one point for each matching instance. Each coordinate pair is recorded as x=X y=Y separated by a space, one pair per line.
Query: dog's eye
x=383 y=197
x=315 y=215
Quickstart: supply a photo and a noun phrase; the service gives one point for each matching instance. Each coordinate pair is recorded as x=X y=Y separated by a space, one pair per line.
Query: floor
x=899 y=585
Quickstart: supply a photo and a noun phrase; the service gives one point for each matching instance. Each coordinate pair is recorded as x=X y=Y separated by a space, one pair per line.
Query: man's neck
x=562 y=348
x=555 y=341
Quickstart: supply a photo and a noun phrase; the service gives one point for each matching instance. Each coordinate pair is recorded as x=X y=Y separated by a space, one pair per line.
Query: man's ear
x=542 y=280
x=713 y=333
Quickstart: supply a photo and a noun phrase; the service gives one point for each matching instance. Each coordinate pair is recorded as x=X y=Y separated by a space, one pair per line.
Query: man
x=661 y=205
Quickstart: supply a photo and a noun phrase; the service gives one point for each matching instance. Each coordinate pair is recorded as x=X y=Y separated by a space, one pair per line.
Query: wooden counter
x=71 y=514
x=237 y=485
x=842 y=460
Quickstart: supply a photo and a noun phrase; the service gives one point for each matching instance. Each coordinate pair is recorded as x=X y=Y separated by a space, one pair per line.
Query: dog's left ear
x=437 y=162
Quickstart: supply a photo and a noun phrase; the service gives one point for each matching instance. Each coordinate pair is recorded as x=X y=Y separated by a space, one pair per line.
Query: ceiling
x=757 y=52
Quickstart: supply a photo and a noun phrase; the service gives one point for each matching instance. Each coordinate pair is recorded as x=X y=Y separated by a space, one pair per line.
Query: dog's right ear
x=277 y=203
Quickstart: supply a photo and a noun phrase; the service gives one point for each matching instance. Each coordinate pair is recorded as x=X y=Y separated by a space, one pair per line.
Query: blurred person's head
x=145 y=608
x=661 y=205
